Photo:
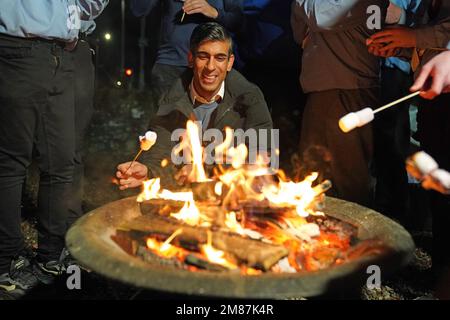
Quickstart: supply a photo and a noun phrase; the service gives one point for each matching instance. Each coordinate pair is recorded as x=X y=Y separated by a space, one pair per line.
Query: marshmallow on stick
x=358 y=119
x=424 y=168
x=147 y=141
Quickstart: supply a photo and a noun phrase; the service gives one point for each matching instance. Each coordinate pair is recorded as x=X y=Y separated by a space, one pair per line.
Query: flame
x=218 y=188
x=151 y=189
x=300 y=194
x=238 y=185
x=214 y=255
x=232 y=223
x=164 y=163
x=238 y=155
x=165 y=249
x=250 y=271
x=222 y=148
x=189 y=214
x=198 y=172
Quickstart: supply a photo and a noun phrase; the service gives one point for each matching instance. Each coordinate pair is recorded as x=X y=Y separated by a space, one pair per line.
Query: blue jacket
x=175 y=35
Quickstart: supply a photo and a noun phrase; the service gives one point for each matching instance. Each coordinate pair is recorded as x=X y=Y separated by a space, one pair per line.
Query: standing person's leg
x=351 y=152
x=84 y=107
x=24 y=77
x=55 y=146
x=391 y=146
x=434 y=136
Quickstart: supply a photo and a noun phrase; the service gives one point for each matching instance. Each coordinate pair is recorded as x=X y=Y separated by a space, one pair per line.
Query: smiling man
x=212 y=93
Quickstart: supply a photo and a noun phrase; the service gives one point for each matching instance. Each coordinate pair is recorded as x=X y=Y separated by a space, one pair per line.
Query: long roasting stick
x=396 y=102
x=134 y=160
x=362 y=117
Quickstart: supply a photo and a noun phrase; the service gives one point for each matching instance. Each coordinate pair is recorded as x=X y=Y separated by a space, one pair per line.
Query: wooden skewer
x=134 y=160
x=396 y=102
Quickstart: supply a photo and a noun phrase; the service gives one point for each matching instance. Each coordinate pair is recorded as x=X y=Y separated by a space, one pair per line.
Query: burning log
x=253 y=253
x=204 y=191
x=151 y=257
x=202 y=263
x=165 y=208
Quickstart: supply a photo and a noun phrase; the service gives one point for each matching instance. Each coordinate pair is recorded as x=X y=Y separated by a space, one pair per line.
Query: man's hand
x=375 y=49
x=436 y=72
x=133 y=177
x=392 y=38
x=200 y=6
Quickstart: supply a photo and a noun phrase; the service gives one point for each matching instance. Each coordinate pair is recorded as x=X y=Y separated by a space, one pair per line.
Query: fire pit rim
x=86 y=239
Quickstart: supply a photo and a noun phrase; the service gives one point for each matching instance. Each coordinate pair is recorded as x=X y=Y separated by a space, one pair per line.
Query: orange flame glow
x=214 y=255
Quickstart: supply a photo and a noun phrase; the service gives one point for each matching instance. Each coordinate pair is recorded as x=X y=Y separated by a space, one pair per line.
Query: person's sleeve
x=336 y=15
x=231 y=14
x=405 y=5
x=46 y=19
x=435 y=36
x=142 y=7
x=91 y=9
x=298 y=25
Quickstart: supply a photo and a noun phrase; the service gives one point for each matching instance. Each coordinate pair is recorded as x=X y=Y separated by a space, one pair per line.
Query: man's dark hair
x=210 y=31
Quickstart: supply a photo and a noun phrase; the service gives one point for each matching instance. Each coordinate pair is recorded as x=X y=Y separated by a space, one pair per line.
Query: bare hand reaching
x=434 y=77
x=200 y=6
x=394 y=37
x=131 y=177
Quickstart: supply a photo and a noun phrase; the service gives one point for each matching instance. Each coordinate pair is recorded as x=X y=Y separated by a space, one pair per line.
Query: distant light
x=107 y=36
x=128 y=72
x=119 y=83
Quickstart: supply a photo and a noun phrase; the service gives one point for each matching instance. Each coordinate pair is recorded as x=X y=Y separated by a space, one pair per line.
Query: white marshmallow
x=356 y=119
x=148 y=140
x=348 y=122
x=424 y=162
x=441 y=176
x=365 y=116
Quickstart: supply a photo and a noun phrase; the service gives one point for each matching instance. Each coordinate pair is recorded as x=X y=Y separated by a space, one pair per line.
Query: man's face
x=210 y=65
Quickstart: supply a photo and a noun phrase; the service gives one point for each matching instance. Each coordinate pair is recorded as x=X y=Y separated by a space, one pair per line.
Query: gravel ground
x=112 y=138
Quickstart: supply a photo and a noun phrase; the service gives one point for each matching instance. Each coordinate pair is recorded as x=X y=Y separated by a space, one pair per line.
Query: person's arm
x=434 y=77
x=228 y=13
x=337 y=15
x=426 y=37
x=91 y=9
x=298 y=25
x=232 y=15
x=142 y=7
x=435 y=36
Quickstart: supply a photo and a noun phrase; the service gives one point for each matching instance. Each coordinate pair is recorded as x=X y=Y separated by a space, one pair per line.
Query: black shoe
x=67 y=260
x=20 y=278
x=48 y=271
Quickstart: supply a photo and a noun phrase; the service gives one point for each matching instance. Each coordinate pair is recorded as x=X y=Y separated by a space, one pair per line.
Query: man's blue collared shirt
x=51 y=19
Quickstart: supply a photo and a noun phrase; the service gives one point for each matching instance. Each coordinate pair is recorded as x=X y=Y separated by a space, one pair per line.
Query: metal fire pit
x=89 y=241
